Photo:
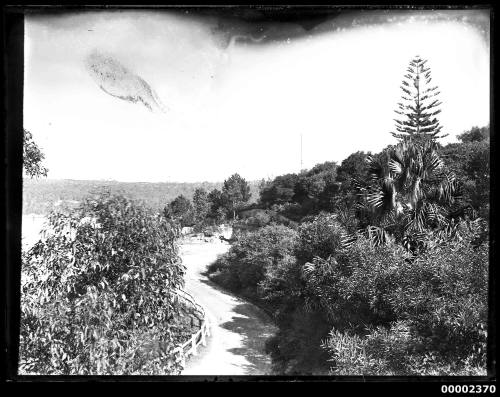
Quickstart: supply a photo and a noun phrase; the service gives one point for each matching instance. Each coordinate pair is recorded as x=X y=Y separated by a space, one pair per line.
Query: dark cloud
x=263 y=25
x=267 y=24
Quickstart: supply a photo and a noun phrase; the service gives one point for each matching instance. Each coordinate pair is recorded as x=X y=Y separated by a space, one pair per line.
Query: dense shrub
x=349 y=286
x=243 y=268
x=393 y=280
x=470 y=161
x=296 y=347
x=279 y=191
x=375 y=309
x=255 y=218
x=303 y=324
x=96 y=292
x=320 y=236
x=312 y=190
x=382 y=310
x=397 y=316
x=180 y=210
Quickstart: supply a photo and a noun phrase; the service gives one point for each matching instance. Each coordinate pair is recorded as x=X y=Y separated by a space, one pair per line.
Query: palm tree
x=408 y=192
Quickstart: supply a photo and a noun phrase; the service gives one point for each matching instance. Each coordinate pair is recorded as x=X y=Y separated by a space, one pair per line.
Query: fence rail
x=190 y=347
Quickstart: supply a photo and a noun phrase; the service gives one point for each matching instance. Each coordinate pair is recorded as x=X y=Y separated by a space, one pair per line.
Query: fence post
x=193 y=345
x=207 y=327
x=182 y=357
x=204 y=329
x=203 y=340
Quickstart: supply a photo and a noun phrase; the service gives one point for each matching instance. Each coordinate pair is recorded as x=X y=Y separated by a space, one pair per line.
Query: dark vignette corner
x=13 y=53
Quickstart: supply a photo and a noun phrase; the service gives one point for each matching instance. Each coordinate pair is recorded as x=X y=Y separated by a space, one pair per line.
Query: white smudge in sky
x=235 y=109
x=116 y=80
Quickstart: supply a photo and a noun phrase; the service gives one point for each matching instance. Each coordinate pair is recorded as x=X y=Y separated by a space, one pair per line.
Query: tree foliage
x=395 y=316
x=419 y=104
x=475 y=134
x=244 y=267
x=201 y=205
x=217 y=204
x=181 y=210
x=352 y=168
x=410 y=190
x=387 y=272
x=317 y=186
x=469 y=160
x=97 y=292
x=280 y=190
x=32 y=157
x=236 y=192
x=308 y=193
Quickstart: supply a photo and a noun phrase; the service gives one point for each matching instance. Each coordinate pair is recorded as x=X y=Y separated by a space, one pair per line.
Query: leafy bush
x=267 y=265
x=303 y=324
x=243 y=268
x=32 y=157
x=296 y=348
x=279 y=191
x=96 y=292
x=321 y=237
x=388 y=312
x=470 y=161
x=312 y=190
x=180 y=210
x=406 y=316
x=260 y=218
x=375 y=309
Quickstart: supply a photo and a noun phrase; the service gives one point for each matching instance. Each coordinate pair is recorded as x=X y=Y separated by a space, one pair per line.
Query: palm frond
x=377 y=235
x=347 y=240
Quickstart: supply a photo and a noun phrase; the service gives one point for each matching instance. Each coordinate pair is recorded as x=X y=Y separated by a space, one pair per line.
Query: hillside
x=41 y=195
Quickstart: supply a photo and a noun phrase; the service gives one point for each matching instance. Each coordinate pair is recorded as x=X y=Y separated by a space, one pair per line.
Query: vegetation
x=408 y=192
x=41 y=196
x=201 y=206
x=180 y=210
x=235 y=193
x=322 y=293
x=378 y=266
x=96 y=292
x=245 y=266
x=469 y=160
x=394 y=316
x=32 y=157
x=419 y=105
x=279 y=191
x=217 y=203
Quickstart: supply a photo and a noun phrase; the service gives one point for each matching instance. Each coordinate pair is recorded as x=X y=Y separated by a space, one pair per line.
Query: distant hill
x=40 y=196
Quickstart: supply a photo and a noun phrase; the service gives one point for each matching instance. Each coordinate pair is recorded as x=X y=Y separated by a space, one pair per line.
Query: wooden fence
x=190 y=347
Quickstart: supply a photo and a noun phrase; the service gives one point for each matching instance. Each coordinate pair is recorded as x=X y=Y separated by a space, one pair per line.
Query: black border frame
x=11 y=213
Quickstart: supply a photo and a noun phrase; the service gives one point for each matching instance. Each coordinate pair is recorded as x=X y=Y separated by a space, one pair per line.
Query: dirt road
x=239 y=329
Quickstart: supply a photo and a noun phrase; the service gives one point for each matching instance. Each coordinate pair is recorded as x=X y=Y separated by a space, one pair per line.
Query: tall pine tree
x=419 y=106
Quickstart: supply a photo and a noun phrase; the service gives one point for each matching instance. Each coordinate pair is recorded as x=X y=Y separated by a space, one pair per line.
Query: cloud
x=116 y=80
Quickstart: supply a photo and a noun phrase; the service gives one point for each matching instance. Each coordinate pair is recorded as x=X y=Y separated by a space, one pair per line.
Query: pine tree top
x=419 y=105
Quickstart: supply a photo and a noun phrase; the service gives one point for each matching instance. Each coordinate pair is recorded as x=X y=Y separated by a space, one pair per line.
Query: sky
x=176 y=97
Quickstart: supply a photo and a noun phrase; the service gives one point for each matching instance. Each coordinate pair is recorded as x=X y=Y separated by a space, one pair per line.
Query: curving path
x=238 y=329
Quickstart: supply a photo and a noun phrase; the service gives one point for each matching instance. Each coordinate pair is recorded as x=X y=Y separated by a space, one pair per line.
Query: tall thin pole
x=301 y=164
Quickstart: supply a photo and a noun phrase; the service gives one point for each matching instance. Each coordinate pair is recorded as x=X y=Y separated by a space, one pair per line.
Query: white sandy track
x=238 y=329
